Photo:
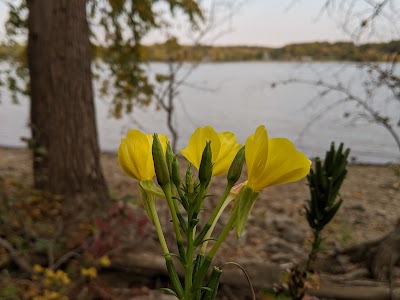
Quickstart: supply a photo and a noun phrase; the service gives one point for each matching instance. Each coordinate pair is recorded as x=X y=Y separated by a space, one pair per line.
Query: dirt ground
x=277 y=230
x=371 y=196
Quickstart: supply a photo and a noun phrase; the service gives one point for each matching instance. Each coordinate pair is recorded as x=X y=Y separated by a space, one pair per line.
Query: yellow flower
x=134 y=154
x=273 y=161
x=105 y=261
x=223 y=148
x=89 y=272
x=38 y=268
x=49 y=273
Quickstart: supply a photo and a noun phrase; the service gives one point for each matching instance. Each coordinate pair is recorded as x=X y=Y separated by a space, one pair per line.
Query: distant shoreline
x=17 y=150
x=171 y=50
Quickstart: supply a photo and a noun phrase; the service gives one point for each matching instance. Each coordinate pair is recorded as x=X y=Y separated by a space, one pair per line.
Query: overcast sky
x=264 y=23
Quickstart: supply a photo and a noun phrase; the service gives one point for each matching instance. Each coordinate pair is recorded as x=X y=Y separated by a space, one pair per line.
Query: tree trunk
x=65 y=146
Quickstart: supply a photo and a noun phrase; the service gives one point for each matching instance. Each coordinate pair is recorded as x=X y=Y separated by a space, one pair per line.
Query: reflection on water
x=239 y=99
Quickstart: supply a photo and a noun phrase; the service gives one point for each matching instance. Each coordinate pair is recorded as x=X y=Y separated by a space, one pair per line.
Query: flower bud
x=236 y=167
x=169 y=156
x=205 y=170
x=160 y=164
x=176 y=178
x=189 y=180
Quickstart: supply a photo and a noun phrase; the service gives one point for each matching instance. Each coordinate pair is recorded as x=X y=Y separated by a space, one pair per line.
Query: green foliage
x=30 y=230
x=16 y=74
x=17 y=22
x=340 y=51
x=324 y=183
x=9 y=291
x=122 y=24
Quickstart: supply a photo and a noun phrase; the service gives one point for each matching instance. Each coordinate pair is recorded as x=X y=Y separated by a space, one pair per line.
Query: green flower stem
x=209 y=227
x=182 y=197
x=201 y=274
x=157 y=224
x=167 y=191
x=181 y=220
x=189 y=263
x=315 y=248
x=210 y=231
x=198 y=202
x=173 y=275
x=192 y=215
x=223 y=235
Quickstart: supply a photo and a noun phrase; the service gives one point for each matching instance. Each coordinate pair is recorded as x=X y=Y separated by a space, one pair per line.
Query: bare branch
x=367 y=111
x=19 y=260
x=177 y=76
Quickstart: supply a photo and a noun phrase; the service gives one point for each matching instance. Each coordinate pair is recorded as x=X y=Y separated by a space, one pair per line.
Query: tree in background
x=62 y=117
x=59 y=54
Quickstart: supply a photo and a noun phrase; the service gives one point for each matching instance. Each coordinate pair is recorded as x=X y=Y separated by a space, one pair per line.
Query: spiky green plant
x=324 y=183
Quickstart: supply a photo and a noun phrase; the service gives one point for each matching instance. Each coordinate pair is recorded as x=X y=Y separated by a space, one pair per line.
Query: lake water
x=237 y=97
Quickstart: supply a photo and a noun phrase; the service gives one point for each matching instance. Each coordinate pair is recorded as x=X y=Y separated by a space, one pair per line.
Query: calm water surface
x=237 y=97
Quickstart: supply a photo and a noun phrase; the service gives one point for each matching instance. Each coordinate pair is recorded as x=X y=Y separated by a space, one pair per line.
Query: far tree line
x=317 y=51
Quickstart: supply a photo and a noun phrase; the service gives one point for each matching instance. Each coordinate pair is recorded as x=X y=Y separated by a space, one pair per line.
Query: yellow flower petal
x=105 y=261
x=139 y=148
x=197 y=143
x=227 y=153
x=124 y=159
x=134 y=154
x=273 y=161
x=223 y=147
x=256 y=152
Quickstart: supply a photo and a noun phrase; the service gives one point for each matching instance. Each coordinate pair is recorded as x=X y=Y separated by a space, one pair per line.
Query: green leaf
x=41 y=150
x=330 y=214
x=310 y=218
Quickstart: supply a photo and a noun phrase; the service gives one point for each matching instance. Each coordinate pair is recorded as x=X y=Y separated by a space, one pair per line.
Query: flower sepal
x=243 y=207
x=146 y=198
x=150 y=187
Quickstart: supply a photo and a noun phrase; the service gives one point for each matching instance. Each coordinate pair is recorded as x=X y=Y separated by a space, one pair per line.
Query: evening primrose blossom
x=223 y=148
x=142 y=156
x=273 y=161
x=135 y=156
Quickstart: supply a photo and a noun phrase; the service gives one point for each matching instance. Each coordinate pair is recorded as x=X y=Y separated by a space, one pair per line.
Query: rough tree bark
x=65 y=146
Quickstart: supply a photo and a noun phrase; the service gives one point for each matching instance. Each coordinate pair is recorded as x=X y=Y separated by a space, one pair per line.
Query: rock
x=281 y=258
x=294 y=235
x=343 y=259
x=286 y=228
x=358 y=207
